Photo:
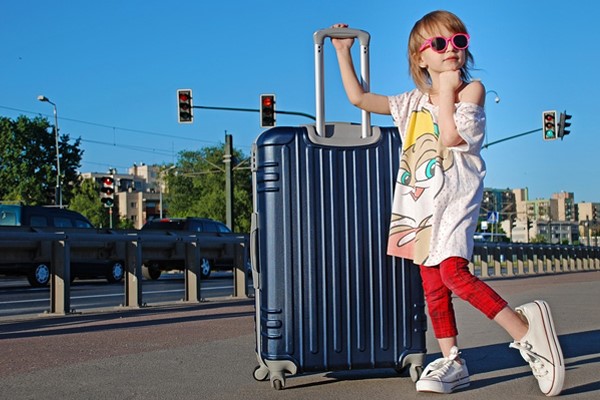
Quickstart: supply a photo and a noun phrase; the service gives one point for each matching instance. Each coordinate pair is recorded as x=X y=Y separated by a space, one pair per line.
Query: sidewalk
x=206 y=351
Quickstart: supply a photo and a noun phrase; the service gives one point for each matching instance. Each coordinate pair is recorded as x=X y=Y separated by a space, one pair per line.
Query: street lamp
x=58 y=192
x=497 y=100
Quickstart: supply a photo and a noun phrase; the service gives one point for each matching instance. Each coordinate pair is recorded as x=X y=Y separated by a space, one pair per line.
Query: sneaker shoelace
x=536 y=362
x=441 y=366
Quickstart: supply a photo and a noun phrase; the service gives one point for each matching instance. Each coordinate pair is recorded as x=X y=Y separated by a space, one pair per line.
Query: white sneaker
x=444 y=375
x=540 y=347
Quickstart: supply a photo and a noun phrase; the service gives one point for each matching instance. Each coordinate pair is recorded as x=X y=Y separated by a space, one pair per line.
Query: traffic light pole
x=485 y=146
x=301 y=114
x=227 y=158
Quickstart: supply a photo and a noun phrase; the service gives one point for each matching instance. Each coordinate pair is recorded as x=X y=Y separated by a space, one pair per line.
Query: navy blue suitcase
x=327 y=295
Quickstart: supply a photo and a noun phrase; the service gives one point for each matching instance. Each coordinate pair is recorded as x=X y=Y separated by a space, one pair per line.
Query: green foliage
x=539 y=239
x=28 y=161
x=197 y=187
x=125 y=223
x=86 y=200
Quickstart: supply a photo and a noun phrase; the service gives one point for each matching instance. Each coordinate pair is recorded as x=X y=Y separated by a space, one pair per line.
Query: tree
x=86 y=200
x=197 y=187
x=28 y=161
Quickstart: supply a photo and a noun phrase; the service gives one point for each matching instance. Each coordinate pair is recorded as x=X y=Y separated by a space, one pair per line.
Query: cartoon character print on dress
x=419 y=181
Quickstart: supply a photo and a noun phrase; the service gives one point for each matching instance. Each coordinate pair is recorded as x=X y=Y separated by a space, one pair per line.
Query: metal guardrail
x=490 y=260
x=131 y=247
x=495 y=260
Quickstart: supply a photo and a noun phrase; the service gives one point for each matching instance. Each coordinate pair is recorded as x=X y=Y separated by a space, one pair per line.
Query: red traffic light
x=267 y=101
x=184 y=106
x=267 y=110
x=549 y=127
x=107 y=191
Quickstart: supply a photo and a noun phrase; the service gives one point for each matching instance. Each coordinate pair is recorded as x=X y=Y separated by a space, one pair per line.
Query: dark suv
x=225 y=260
x=51 y=219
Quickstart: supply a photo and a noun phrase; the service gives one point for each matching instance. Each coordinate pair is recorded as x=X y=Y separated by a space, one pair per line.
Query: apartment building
x=554 y=220
x=138 y=194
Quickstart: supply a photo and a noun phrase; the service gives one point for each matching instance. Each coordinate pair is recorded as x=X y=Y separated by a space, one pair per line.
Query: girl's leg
x=449 y=373
x=439 y=305
x=455 y=274
x=538 y=343
x=512 y=323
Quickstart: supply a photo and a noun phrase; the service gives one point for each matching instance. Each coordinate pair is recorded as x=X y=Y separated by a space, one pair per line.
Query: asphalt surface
x=206 y=351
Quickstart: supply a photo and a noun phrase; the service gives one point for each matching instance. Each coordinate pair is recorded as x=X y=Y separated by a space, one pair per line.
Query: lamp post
x=58 y=192
x=497 y=100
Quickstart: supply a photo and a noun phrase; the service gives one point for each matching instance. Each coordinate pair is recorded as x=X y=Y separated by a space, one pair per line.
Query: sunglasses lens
x=438 y=44
x=460 y=41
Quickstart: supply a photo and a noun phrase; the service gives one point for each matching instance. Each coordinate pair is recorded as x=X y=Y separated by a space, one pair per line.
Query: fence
x=490 y=260
x=58 y=248
x=494 y=260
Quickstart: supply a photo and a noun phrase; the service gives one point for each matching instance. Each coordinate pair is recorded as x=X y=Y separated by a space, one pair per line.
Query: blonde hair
x=430 y=24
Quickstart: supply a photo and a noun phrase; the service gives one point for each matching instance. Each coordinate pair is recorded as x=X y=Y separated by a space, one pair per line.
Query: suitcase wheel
x=277 y=384
x=415 y=372
x=412 y=370
x=261 y=373
x=277 y=380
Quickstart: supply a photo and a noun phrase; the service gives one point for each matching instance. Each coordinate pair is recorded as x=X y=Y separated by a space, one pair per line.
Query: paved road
x=206 y=351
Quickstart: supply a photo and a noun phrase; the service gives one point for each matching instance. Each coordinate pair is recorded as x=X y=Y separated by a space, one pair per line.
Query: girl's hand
x=450 y=81
x=341 y=44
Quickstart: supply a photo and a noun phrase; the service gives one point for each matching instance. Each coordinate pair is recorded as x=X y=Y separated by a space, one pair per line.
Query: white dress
x=438 y=189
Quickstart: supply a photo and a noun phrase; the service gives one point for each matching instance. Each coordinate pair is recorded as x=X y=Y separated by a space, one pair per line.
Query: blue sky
x=113 y=68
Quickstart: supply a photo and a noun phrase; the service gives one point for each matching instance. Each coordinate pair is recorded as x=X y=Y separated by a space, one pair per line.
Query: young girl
x=438 y=192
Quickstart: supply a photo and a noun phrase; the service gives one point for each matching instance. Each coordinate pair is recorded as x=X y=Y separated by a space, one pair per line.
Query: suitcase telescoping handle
x=340 y=33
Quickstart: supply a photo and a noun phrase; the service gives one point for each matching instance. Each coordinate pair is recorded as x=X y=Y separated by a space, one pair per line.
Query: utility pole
x=227 y=160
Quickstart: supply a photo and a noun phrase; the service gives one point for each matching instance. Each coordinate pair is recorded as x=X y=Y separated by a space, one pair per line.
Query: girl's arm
x=364 y=100
x=450 y=85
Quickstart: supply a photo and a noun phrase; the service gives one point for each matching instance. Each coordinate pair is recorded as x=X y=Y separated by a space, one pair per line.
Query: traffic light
x=550 y=126
x=564 y=117
x=185 y=108
x=267 y=110
x=107 y=191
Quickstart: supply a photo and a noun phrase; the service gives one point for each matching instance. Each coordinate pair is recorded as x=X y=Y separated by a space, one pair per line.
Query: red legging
x=453 y=276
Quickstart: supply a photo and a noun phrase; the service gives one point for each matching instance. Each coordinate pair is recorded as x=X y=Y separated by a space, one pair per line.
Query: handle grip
x=340 y=33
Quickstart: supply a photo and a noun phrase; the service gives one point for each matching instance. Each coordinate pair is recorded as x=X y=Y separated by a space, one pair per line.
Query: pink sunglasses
x=439 y=44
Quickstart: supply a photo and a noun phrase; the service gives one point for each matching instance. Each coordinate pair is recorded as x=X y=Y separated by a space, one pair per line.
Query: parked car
x=48 y=219
x=225 y=260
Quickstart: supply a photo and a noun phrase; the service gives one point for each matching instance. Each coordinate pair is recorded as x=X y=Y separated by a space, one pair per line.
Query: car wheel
x=205 y=268
x=150 y=273
x=39 y=276
x=115 y=272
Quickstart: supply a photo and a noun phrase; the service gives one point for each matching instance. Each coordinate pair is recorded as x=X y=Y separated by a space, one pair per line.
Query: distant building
x=501 y=201
x=558 y=232
x=138 y=194
x=563 y=207
x=554 y=220
x=588 y=217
